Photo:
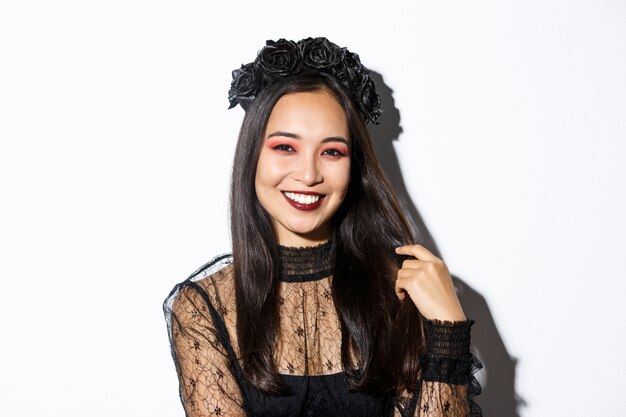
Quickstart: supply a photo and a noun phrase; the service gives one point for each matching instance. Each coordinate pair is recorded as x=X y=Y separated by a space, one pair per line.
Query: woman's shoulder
x=218 y=268
x=205 y=301
x=213 y=282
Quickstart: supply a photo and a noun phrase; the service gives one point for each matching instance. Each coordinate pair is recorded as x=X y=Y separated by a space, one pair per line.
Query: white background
x=116 y=147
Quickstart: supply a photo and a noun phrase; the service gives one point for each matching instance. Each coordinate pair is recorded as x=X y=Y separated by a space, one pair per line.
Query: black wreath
x=283 y=58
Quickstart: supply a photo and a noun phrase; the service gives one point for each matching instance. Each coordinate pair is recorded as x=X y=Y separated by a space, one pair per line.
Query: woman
x=325 y=307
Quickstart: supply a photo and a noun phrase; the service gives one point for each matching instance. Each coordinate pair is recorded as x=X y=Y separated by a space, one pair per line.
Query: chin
x=307 y=232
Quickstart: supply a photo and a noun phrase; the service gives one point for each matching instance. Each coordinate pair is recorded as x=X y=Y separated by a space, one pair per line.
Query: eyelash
x=288 y=148
x=282 y=147
x=336 y=152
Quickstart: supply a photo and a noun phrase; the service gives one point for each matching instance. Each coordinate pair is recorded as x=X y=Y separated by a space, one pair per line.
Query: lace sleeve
x=446 y=385
x=207 y=384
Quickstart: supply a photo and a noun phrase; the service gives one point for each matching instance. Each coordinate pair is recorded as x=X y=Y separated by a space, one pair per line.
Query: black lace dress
x=201 y=316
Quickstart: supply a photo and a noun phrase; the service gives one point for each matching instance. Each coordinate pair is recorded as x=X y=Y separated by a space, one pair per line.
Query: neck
x=308 y=263
x=290 y=239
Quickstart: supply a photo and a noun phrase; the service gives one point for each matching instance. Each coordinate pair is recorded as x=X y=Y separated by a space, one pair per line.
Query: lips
x=304 y=200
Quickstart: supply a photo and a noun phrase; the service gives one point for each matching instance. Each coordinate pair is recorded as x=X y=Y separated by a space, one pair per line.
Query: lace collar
x=306 y=263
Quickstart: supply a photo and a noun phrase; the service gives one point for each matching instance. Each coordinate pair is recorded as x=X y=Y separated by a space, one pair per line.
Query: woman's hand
x=427 y=281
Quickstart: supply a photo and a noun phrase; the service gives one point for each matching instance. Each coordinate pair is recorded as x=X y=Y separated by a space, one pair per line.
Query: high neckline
x=310 y=263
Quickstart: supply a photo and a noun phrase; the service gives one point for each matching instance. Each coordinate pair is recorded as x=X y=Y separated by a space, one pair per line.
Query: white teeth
x=303 y=198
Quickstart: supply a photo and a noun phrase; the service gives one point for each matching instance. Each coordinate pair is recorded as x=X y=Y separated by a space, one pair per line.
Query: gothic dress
x=201 y=316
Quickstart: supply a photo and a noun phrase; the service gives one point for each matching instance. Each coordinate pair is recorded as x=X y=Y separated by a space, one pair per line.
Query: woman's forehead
x=316 y=113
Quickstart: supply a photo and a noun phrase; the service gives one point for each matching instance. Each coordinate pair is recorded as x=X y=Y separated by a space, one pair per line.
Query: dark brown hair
x=384 y=332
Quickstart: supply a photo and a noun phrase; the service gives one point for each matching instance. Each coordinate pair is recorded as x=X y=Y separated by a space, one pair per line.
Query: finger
x=412 y=264
x=408 y=273
x=400 y=291
x=417 y=251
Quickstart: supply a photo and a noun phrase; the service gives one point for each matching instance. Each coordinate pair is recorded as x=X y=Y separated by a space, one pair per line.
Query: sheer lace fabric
x=201 y=318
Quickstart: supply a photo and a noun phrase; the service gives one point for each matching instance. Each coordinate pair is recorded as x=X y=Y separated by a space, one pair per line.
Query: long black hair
x=384 y=333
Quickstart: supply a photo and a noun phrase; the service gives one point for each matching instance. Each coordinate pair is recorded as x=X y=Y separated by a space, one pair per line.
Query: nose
x=308 y=172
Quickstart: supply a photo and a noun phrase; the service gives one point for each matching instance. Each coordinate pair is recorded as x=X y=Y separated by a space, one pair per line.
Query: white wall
x=116 y=145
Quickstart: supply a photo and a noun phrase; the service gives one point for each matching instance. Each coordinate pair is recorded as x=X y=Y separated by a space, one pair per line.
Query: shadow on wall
x=497 y=378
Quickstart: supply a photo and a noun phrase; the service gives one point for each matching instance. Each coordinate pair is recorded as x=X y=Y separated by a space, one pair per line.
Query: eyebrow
x=297 y=137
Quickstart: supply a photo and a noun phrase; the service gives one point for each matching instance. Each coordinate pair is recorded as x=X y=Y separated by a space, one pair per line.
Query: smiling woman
x=304 y=165
x=325 y=306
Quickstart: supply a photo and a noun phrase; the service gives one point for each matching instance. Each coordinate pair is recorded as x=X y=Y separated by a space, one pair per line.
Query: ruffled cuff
x=448 y=357
x=448 y=339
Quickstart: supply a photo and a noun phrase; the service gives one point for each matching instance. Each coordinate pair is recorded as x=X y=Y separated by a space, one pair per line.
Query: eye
x=283 y=148
x=334 y=152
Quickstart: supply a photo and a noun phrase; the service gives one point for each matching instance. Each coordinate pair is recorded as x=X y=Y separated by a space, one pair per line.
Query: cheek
x=263 y=185
x=267 y=171
x=341 y=177
x=260 y=178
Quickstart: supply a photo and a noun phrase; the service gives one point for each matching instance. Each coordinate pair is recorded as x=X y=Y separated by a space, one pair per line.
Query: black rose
x=370 y=101
x=278 y=59
x=244 y=87
x=350 y=71
x=319 y=53
x=283 y=58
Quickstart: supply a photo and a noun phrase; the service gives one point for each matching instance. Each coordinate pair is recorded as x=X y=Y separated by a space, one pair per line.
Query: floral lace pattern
x=201 y=317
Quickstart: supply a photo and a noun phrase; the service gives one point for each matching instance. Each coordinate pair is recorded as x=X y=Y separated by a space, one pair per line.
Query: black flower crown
x=283 y=58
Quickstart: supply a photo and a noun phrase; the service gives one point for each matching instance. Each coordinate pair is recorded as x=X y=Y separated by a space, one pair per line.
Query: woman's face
x=303 y=170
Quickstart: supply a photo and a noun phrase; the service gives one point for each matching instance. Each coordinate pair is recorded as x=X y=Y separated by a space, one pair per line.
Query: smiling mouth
x=304 y=201
x=303 y=198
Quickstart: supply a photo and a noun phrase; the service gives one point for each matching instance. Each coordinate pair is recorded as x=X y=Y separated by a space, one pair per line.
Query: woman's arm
x=446 y=384
x=206 y=381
